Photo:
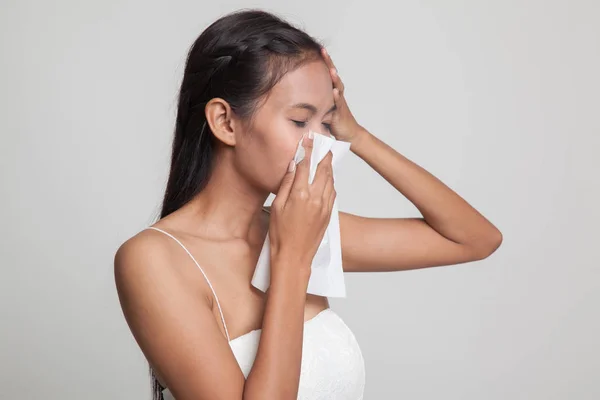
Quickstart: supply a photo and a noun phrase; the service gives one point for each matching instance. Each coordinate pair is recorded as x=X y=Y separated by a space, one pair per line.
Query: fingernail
x=311 y=135
x=292 y=166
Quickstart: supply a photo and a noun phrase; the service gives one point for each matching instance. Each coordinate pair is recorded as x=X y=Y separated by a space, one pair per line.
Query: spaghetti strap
x=201 y=270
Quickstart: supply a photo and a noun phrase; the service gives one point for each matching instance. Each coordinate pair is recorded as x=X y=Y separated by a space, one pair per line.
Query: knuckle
x=302 y=194
x=316 y=202
x=325 y=170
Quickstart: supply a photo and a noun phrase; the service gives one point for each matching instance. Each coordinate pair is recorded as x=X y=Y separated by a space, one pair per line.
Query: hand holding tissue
x=327 y=274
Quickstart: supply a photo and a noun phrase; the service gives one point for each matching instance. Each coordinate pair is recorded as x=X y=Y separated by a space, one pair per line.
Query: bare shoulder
x=170 y=321
x=142 y=272
x=141 y=254
x=149 y=261
x=140 y=260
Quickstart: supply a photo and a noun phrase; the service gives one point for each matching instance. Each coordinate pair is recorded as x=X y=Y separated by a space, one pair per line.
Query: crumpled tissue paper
x=327 y=274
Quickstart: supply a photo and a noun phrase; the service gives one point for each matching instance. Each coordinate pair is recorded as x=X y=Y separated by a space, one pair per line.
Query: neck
x=227 y=208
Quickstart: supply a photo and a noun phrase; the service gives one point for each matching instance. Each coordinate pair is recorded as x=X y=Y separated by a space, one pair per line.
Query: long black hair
x=238 y=58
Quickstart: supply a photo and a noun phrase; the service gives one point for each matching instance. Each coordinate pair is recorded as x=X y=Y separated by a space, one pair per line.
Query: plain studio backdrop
x=498 y=99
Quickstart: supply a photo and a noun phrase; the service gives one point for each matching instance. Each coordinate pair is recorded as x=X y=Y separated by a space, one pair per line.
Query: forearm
x=276 y=370
x=442 y=208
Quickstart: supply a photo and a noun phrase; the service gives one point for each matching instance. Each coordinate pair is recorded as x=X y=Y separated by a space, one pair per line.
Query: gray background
x=499 y=99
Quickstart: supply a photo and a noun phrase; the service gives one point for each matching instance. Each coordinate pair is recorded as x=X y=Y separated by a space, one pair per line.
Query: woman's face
x=301 y=101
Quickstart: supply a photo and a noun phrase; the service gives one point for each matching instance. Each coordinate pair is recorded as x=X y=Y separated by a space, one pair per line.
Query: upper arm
x=393 y=244
x=174 y=325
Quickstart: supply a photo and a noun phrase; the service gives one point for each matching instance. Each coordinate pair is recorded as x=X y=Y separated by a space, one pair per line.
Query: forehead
x=310 y=83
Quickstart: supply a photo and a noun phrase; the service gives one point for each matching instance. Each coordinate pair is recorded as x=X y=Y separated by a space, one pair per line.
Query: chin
x=274 y=188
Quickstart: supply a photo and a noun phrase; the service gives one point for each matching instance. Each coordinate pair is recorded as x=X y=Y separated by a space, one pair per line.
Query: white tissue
x=327 y=274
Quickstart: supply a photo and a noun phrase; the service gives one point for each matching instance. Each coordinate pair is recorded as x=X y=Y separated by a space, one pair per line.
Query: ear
x=221 y=120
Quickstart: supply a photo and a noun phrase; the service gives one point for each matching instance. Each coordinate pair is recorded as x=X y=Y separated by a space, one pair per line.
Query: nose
x=321 y=131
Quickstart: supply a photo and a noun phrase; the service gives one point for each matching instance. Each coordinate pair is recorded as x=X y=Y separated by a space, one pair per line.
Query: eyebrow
x=312 y=108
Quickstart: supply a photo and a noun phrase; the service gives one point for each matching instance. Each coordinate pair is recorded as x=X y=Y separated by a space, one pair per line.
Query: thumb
x=286 y=186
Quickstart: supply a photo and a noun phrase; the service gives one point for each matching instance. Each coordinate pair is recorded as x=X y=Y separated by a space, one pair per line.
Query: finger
x=340 y=102
x=332 y=198
x=337 y=81
x=333 y=193
x=322 y=175
x=337 y=98
x=302 y=169
x=328 y=190
x=286 y=185
x=329 y=196
x=335 y=77
x=327 y=58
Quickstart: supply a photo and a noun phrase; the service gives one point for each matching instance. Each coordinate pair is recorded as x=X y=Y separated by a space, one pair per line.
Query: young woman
x=253 y=86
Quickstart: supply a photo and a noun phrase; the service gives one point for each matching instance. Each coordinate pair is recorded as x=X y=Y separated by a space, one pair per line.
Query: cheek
x=286 y=152
x=283 y=152
x=266 y=156
x=269 y=148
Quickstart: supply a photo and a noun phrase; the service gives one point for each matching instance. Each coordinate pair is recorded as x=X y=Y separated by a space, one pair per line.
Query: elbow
x=488 y=246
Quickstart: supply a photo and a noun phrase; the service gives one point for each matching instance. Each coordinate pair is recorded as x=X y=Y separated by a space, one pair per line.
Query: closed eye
x=300 y=124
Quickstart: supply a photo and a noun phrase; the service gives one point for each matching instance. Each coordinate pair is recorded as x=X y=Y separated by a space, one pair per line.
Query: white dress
x=332 y=366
